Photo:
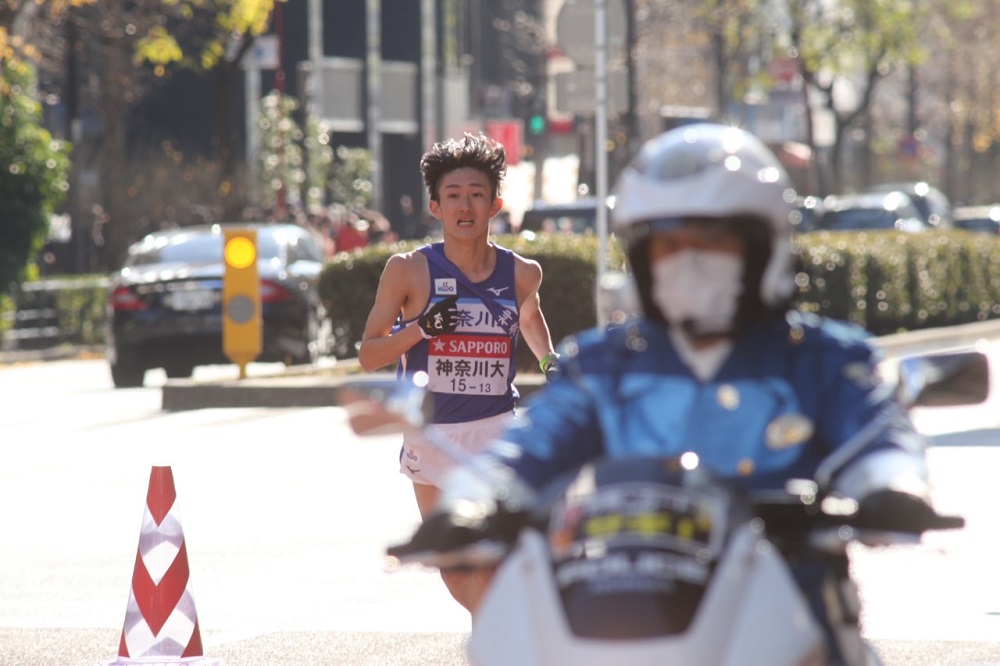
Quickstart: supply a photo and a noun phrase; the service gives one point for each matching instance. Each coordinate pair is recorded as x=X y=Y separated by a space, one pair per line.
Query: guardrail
x=51 y=312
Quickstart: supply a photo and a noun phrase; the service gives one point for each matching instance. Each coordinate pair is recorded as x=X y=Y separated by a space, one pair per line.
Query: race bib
x=469 y=364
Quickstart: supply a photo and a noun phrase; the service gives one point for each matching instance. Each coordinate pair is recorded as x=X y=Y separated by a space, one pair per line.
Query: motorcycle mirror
x=616 y=297
x=378 y=406
x=942 y=380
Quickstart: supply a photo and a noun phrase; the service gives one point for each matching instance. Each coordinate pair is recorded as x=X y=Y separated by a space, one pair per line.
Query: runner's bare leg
x=467 y=588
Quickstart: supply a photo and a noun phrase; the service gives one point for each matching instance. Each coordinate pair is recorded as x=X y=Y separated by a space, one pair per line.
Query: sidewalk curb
x=58 y=353
x=280 y=391
x=302 y=386
x=181 y=395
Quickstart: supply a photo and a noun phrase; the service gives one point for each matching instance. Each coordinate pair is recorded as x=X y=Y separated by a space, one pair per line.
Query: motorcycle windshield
x=634 y=547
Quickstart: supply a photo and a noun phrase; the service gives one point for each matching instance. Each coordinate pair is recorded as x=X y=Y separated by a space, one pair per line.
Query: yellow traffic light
x=240 y=252
x=242 y=335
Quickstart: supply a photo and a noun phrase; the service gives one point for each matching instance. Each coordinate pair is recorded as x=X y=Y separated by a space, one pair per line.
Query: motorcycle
x=646 y=561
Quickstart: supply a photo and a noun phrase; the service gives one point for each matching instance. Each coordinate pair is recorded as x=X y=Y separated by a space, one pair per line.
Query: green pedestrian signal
x=536 y=125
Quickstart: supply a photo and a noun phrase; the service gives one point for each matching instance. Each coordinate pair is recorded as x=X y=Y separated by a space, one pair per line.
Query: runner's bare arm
x=528 y=278
x=396 y=290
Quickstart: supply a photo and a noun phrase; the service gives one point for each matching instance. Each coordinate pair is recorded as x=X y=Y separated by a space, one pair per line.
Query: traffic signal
x=536 y=124
x=242 y=335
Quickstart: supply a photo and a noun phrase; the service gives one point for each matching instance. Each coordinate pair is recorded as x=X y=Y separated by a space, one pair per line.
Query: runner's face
x=464 y=203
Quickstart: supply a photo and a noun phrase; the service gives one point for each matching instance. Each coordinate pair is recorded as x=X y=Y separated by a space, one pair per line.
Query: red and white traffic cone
x=161 y=625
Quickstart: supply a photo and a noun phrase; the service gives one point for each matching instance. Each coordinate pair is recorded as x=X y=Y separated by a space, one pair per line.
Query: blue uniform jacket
x=791 y=392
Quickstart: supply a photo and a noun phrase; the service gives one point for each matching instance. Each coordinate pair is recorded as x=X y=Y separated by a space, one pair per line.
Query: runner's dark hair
x=473 y=151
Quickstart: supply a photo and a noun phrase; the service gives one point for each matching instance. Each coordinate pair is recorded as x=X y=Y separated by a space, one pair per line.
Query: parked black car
x=981 y=219
x=164 y=309
x=853 y=212
x=576 y=217
x=934 y=206
x=808 y=211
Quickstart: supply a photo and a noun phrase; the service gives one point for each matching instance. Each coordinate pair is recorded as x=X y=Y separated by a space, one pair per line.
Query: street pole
x=315 y=47
x=251 y=84
x=429 y=121
x=314 y=97
x=279 y=84
x=80 y=236
x=374 y=82
x=600 y=140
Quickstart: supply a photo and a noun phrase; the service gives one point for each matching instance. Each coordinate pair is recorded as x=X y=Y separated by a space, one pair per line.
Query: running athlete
x=453 y=310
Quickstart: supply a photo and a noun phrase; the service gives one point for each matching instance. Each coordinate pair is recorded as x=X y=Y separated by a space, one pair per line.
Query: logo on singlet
x=445 y=286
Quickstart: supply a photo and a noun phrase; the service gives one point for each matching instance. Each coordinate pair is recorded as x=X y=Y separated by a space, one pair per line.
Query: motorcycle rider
x=719 y=362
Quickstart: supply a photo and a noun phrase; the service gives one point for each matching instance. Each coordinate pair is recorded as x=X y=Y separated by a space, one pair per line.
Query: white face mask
x=698 y=290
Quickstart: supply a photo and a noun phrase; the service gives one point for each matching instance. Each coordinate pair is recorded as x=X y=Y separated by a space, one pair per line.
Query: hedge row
x=884 y=281
x=889 y=282
x=77 y=301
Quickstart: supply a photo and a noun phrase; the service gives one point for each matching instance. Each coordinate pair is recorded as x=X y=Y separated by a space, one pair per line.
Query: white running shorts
x=424 y=463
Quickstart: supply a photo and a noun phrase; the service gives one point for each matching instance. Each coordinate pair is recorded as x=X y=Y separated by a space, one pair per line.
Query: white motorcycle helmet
x=712 y=171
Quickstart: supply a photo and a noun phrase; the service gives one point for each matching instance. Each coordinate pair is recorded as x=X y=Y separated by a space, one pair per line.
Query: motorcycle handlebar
x=791 y=515
x=944 y=522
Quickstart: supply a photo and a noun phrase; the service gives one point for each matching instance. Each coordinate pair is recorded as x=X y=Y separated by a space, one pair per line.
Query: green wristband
x=548 y=360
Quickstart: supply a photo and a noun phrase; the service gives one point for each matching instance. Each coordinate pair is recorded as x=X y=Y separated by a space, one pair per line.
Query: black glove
x=464 y=536
x=440 y=319
x=895 y=511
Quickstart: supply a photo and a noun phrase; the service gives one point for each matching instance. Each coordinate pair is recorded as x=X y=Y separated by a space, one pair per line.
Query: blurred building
x=444 y=67
x=504 y=67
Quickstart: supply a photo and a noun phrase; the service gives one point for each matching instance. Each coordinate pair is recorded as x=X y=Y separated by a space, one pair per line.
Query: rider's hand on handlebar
x=896 y=511
x=488 y=484
x=477 y=519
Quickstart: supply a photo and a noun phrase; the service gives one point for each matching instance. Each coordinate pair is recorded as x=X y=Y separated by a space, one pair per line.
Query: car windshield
x=977 y=224
x=859 y=218
x=567 y=223
x=579 y=217
x=192 y=248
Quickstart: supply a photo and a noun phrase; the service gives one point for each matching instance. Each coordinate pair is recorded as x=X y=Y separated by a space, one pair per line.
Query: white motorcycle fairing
x=752 y=614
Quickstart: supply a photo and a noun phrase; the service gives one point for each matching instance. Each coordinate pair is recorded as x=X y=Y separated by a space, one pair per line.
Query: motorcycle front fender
x=752 y=613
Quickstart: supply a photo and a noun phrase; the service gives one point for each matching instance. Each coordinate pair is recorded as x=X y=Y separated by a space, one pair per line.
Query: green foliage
x=33 y=179
x=888 y=282
x=735 y=29
x=569 y=268
x=885 y=282
x=347 y=286
x=351 y=180
x=319 y=161
x=291 y=158
x=7 y=310
x=78 y=299
x=305 y=162
x=870 y=34
x=281 y=159
x=201 y=34
x=81 y=301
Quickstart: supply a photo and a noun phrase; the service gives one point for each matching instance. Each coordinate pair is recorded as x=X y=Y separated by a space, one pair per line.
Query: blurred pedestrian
x=411 y=223
x=352 y=233
x=379 y=228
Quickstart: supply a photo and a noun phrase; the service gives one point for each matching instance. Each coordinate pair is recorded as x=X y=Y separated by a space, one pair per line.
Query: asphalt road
x=287 y=514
